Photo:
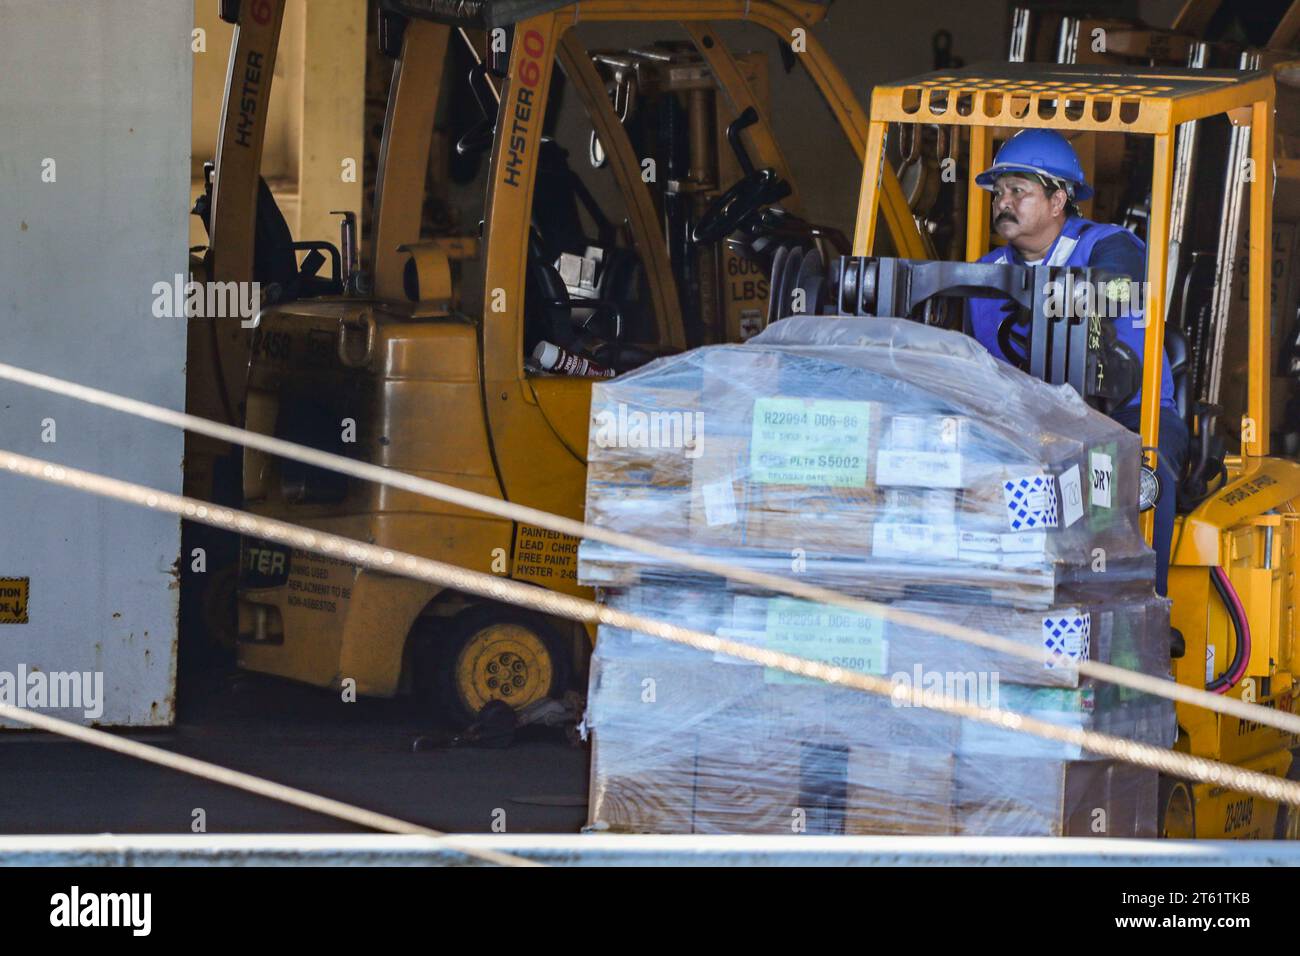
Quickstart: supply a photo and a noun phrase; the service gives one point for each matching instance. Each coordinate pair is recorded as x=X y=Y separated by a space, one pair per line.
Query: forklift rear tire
x=217 y=607
x=498 y=653
x=1177 y=808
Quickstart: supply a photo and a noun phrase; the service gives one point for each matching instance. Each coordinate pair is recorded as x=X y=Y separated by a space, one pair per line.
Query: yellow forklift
x=1232 y=580
x=1208 y=249
x=419 y=358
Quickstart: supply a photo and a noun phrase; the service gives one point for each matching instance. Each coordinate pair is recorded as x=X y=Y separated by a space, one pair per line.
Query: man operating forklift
x=1036 y=181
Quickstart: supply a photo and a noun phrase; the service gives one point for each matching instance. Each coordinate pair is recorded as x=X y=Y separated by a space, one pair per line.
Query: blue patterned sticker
x=1031 y=502
x=1066 y=638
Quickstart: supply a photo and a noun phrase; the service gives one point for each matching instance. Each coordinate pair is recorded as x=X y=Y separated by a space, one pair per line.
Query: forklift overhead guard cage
x=472 y=14
x=1150 y=101
x=494 y=13
x=398 y=197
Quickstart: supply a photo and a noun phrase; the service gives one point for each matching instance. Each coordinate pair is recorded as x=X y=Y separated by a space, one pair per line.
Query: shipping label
x=823 y=633
x=810 y=442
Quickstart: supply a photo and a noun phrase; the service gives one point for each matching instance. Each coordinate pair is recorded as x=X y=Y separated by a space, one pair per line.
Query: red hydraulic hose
x=1237 y=612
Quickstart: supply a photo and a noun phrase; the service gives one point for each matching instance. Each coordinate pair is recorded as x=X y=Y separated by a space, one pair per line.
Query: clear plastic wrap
x=904 y=464
x=884 y=457
x=1130 y=632
x=683 y=743
x=1023 y=796
x=688 y=742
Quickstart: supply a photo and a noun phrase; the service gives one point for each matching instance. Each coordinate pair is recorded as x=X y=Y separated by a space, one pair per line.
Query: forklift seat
x=275 y=260
x=548 y=312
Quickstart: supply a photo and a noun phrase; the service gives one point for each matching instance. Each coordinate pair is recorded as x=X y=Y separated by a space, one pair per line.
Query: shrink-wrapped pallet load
x=898 y=463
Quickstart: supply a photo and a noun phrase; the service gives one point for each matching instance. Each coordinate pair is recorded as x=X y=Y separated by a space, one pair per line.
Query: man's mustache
x=1007 y=215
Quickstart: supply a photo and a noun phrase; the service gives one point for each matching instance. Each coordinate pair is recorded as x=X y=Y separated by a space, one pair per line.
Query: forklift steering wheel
x=760 y=188
x=1014 y=344
x=478 y=139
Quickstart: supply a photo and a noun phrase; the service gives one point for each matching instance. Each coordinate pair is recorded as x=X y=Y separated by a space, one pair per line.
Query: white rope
x=1145 y=683
x=562 y=605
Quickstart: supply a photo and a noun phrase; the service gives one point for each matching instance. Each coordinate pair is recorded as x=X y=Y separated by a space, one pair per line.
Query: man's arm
x=1120 y=254
x=1123 y=254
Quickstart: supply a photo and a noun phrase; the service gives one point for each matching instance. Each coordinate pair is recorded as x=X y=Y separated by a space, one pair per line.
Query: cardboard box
x=731 y=506
x=640 y=787
x=923 y=451
x=830 y=524
x=747 y=786
x=732 y=377
x=642 y=435
x=655 y=690
x=898 y=792
x=1028 y=797
x=647 y=510
x=720 y=491
x=704 y=784
x=1093 y=706
x=1067 y=633
x=694 y=783
x=689 y=742
x=823 y=788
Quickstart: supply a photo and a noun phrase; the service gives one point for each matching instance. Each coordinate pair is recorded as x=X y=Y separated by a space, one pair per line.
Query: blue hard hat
x=1044 y=152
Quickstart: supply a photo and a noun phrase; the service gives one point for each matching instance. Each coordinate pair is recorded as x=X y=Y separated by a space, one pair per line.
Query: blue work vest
x=1073 y=247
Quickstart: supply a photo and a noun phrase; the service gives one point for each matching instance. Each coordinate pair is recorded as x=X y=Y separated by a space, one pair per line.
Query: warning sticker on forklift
x=799 y=441
x=315 y=582
x=545 y=555
x=13 y=600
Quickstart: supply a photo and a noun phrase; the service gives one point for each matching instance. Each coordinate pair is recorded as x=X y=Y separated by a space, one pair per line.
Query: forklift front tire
x=1177 y=809
x=498 y=653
